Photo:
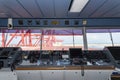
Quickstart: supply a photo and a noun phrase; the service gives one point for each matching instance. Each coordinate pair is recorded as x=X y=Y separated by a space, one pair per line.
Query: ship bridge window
x=45 y=39
x=100 y=38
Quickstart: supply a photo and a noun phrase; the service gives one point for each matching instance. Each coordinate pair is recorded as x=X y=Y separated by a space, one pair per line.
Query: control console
x=10 y=56
x=73 y=56
x=114 y=55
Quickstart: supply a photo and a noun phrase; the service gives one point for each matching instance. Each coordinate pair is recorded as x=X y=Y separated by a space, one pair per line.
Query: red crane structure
x=29 y=39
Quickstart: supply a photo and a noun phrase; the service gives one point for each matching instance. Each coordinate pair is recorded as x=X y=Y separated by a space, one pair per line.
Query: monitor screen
x=95 y=54
x=115 y=51
x=65 y=56
x=75 y=53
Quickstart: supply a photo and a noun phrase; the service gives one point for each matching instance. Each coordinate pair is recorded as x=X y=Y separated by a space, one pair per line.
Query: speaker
x=10 y=23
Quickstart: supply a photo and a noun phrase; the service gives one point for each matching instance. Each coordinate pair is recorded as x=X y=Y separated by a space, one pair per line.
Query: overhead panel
x=106 y=8
x=113 y=6
x=65 y=23
x=3 y=14
x=113 y=12
x=61 y=8
x=3 y=11
x=32 y=7
x=67 y=13
x=73 y=15
x=118 y=14
x=61 y=23
x=58 y=9
x=15 y=9
x=47 y=8
x=6 y=11
x=47 y=23
x=3 y=23
x=91 y=8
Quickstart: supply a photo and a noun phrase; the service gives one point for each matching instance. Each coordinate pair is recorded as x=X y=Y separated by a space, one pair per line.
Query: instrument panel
x=71 y=57
x=66 y=57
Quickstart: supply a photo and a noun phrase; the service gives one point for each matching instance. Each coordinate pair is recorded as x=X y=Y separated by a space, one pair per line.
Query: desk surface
x=65 y=68
x=115 y=76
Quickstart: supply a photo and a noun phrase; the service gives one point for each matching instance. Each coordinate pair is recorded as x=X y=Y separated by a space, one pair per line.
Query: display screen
x=75 y=53
x=95 y=54
x=65 y=56
x=115 y=51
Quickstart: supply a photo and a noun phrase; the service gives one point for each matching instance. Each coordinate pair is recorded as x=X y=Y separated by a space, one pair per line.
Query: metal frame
x=60 y=23
x=85 y=39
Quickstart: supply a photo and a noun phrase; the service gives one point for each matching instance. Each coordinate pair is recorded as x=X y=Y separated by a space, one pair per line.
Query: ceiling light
x=78 y=5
